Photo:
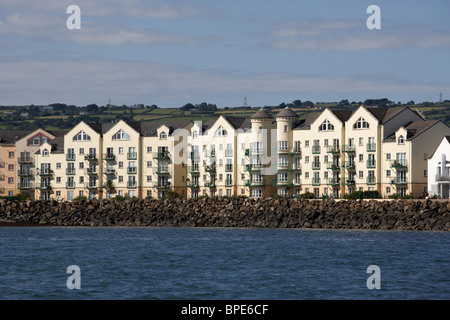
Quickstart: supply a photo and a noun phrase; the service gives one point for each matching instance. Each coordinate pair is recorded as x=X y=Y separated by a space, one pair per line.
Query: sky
x=174 y=52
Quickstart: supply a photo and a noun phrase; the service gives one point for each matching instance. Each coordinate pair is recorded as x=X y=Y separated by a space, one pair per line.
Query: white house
x=439 y=170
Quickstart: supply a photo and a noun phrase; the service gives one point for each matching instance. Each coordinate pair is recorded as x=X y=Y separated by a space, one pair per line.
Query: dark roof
x=101 y=128
x=148 y=129
x=286 y=113
x=261 y=114
x=414 y=129
x=305 y=124
x=10 y=137
x=343 y=115
x=385 y=114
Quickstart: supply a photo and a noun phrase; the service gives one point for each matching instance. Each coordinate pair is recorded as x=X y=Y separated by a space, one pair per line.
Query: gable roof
x=414 y=129
x=10 y=137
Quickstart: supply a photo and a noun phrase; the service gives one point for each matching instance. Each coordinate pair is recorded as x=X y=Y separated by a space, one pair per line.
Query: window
x=260 y=129
x=58 y=179
x=306 y=175
x=58 y=165
x=120 y=164
x=120 y=150
x=120 y=178
x=195 y=134
x=361 y=141
x=388 y=156
x=149 y=149
x=11 y=154
x=282 y=145
x=286 y=128
x=45 y=153
x=282 y=162
x=81 y=150
x=325 y=142
x=424 y=173
x=325 y=158
x=388 y=190
x=81 y=179
x=306 y=159
x=82 y=136
x=361 y=157
x=221 y=132
x=81 y=165
x=425 y=156
x=149 y=178
x=58 y=194
x=121 y=135
x=149 y=164
x=306 y=143
x=163 y=135
x=10 y=180
x=10 y=167
x=361 y=124
x=388 y=173
x=401 y=140
x=326 y=126
x=361 y=174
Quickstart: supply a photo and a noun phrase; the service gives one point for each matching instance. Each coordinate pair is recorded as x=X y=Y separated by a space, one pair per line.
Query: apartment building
x=329 y=153
x=439 y=170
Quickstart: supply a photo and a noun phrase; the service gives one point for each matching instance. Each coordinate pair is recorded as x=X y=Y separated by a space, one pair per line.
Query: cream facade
x=329 y=154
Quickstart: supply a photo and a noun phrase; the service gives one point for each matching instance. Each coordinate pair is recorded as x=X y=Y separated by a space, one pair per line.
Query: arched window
x=326 y=126
x=121 y=135
x=361 y=124
x=195 y=134
x=163 y=135
x=82 y=136
x=401 y=140
x=221 y=131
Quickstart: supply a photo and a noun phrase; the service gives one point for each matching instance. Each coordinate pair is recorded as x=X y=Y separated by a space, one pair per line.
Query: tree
x=297 y=103
x=188 y=106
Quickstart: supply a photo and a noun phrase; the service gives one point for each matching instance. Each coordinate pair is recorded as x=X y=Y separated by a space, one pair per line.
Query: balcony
x=131 y=184
x=25 y=160
x=228 y=168
x=348 y=182
x=256 y=183
x=90 y=157
x=194 y=168
x=371 y=180
x=349 y=165
x=315 y=149
x=210 y=153
x=370 y=164
x=253 y=167
x=399 y=180
x=91 y=186
x=70 y=171
x=193 y=184
x=44 y=172
x=399 y=164
x=44 y=186
x=133 y=156
x=333 y=149
x=70 y=185
x=109 y=156
x=315 y=165
x=333 y=181
x=333 y=165
x=91 y=171
x=287 y=167
x=254 y=152
x=315 y=181
x=25 y=186
x=210 y=169
x=162 y=170
x=109 y=171
x=284 y=183
x=70 y=157
x=289 y=152
x=194 y=155
x=228 y=183
x=348 y=148
x=164 y=155
x=162 y=185
x=25 y=173
x=131 y=170
x=442 y=178
x=371 y=147
x=209 y=183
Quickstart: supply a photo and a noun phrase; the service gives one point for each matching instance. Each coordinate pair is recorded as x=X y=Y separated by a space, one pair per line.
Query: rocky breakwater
x=233 y=212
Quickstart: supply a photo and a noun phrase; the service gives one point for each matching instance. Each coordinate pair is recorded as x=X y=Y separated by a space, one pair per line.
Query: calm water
x=191 y=263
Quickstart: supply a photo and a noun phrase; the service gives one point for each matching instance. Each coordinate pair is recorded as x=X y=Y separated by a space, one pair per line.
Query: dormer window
x=121 y=135
x=45 y=153
x=361 y=124
x=326 y=126
x=163 y=135
x=401 y=140
x=82 y=136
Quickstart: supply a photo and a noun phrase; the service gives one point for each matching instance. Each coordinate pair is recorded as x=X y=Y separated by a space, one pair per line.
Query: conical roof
x=285 y=113
x=261 y=114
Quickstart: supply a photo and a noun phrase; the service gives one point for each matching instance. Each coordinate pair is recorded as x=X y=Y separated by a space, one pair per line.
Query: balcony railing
x=371 y=147
x=193 y=184
x=44 y=186
x=91 y=185
x=162 y=185
x=290 y=151
x=163 y=155
x=315 y=149
x=162 y=170
x=70 y=185
x=348 y=148
x=348 y=182
x=194 y=155
x=70 y=156
x=131 y=184
x=228 y=182
x=109 y=156
x=333 y=181
x=442 y=178
x=44 y=172
x=194 y=168
x=210 y=169
x=25 y=160
x=255 y=183
x=399 y=180
x=402 y=163
x=90 y=157
x=253 y=167
x=371 y=180
x=370 y=164
x=333 y=149
x=25 y=186
x=109 y=170
x=254 y=152
x=210 y=183
x=91 y=171
x=25 y=173
x=285 y=183
x=315 y=181
x=348 y=165
x=210 y=153
x=289 y=167
x=316 y=165
x=131 y=170
x=228 y=168
x=333 y=165
x=132 y=156
x=70 y=171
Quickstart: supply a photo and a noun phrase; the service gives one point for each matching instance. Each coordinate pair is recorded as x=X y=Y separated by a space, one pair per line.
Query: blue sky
x=172 y=52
